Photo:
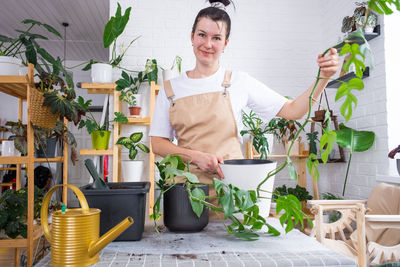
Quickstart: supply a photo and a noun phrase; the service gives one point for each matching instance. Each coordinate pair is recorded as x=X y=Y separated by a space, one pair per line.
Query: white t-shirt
x=244 y=91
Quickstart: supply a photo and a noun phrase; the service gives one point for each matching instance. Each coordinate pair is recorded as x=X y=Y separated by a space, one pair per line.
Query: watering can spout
x=108 y=237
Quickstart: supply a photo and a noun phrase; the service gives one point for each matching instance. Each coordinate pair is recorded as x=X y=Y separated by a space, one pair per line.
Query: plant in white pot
x=170 y=73
x=102 y=72
x=129 y=86
x=285 y=131
x=23 y=49
x=131 y=170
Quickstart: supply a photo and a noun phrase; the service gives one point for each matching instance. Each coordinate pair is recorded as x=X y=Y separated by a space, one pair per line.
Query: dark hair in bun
x=215 y=13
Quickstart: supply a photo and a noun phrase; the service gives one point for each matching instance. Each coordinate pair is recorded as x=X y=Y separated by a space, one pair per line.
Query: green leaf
x=52 y=30
x=143 y=148
x=196 y=205
x=227 y=202
x=132 y=154
x=123 y=141
x=354 y=140
x=312 y=166
x=292 y=172
x=120 y=118
x=136 y=137
x=327 y=140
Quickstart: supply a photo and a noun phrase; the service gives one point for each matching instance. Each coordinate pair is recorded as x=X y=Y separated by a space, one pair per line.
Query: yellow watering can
x=74 y=237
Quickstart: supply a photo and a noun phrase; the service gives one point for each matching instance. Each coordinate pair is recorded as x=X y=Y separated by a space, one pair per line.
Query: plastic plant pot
x=100 y=141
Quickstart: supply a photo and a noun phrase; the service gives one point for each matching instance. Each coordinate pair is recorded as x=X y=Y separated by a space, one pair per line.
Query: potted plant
x=358 y=21
x=259 y=133
x=102 y=71
x=285 y=131
x=60 y=133
x=24 y=49
x=129 y=86
x=168 y=74
x=131 y=170
x=232 y=200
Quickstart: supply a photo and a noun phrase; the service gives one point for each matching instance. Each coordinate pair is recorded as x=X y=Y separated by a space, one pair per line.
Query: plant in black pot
x=233 y=203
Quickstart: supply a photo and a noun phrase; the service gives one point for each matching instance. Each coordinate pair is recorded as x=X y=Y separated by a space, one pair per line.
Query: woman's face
x=209 y=41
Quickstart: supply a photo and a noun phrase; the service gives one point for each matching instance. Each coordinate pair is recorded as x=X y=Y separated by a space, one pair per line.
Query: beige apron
x=205 y=122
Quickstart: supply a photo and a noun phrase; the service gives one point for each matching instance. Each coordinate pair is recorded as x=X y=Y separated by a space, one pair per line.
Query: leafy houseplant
x=233 y=201
x=357 y=58
x=131 y=170
x=129 y=86
x=300 y=192
x=168 y=74
x=112 y=30
x=257 y=131
x=358 y=20
x=13 y=211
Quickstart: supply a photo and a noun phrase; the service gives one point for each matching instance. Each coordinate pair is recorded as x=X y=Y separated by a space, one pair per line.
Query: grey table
x=213 y=247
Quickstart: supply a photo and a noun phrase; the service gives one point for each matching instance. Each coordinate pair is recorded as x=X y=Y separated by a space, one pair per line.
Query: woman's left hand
x=329 y=64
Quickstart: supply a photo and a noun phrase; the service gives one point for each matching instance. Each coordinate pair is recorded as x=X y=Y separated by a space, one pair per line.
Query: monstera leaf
x=355 y=141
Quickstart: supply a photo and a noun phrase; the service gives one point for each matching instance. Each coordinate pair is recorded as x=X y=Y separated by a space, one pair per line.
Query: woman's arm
x=205 y=161
x=296 y=109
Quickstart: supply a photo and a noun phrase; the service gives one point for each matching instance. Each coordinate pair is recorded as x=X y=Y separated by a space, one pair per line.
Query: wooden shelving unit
x=115 y=151
x=21 y=87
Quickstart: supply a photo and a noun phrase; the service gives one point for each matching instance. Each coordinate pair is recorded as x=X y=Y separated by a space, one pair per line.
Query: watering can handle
x=46 y=203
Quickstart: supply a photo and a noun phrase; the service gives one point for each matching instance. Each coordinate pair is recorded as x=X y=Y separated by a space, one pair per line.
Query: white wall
x=275 y=41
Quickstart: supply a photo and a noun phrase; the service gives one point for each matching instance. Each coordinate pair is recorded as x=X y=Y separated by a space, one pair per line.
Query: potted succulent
x=232 y=200
x=170 y=73
x=259 y=133
x=129 y=86
x=131 y=170
x=24 y=49
x=102 y=72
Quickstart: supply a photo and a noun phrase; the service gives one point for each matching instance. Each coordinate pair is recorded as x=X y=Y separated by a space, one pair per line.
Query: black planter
x=178 y=213
x=121 y=201
x=50 y=151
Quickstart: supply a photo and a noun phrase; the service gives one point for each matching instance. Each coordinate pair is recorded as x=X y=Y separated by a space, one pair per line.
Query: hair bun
x=224 y=2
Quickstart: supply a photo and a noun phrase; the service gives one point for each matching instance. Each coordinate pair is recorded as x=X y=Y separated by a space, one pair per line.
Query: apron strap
x=168 y=90
x=227 y=80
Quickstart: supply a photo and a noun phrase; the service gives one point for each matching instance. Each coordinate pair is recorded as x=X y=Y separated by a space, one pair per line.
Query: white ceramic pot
x=131 y=170
x=247 y=174
x=10 y=65
x=369 y=29
x=101 y=73
x=168 y=75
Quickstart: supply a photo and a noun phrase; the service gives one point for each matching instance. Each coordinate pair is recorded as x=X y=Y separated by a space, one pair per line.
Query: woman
x=202 y=107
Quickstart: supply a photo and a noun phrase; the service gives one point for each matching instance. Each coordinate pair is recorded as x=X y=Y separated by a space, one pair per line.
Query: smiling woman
x=202 y=107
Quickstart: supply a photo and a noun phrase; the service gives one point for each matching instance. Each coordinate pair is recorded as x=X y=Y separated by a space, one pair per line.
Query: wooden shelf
x=14 y=85
x=95 y=152
x=14 y=160
x=99 y=88
x=21 y=242
x=345 y=78
x=55 y=159
x=144 y=121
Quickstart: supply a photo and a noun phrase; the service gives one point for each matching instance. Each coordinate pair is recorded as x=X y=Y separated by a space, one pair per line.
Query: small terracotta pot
x=135 y=111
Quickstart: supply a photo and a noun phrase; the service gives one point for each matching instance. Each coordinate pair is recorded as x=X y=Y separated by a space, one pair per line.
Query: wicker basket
x=41 y=115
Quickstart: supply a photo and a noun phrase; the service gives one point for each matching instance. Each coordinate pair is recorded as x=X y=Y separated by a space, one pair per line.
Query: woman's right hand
x=209 y=163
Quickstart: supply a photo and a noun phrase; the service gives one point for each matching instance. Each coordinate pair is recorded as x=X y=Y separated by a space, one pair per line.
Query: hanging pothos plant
x=344 y=137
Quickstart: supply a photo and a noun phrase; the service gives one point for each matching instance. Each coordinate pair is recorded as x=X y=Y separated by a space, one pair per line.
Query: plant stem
x=347 y=174
x=17 y=40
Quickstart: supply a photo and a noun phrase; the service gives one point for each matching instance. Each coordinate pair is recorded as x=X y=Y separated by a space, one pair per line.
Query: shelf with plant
x=129 y=86
x=345 y=137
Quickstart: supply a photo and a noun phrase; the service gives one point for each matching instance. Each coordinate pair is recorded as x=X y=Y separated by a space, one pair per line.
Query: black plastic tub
x=123 y=200
x=178 y=213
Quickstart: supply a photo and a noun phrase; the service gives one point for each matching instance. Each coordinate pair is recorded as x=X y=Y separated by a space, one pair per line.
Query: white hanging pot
x=247 y=174
x=10 y=65
x=168 y=75
x=131 y=170
x=101 y=73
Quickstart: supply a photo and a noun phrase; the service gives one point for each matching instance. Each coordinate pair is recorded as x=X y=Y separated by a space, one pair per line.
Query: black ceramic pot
x=178 y=213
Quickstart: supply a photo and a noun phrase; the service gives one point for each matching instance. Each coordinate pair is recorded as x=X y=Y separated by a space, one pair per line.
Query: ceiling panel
x=86 y=20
